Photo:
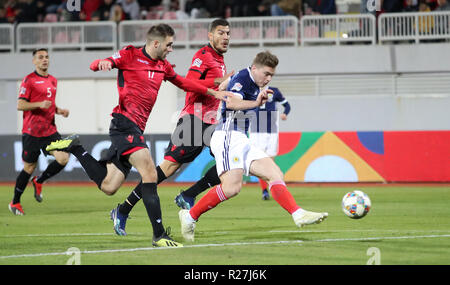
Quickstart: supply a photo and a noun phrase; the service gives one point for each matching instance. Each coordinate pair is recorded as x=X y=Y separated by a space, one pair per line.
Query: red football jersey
x=35 y=88
x=206 y=64
x=138 y=81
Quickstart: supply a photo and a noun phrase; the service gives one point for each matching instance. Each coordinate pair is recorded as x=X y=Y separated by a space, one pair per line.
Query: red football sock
x=283 y=197
x=263 y=184
x=207 y=202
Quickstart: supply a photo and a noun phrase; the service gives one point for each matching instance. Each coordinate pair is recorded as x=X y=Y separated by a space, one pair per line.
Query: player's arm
x=62 y=112
x=193 y=86
x=196 y=75
x=117 y=60
x=23 y=105
x=238 y=103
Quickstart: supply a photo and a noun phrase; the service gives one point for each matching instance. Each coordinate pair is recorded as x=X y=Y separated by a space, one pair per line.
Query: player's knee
x=29 y=167
x=63 y=159
x=231 y=190
x=108 y=188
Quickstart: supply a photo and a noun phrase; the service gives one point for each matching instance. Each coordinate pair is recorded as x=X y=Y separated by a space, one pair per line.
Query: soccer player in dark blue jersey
x=264 y=134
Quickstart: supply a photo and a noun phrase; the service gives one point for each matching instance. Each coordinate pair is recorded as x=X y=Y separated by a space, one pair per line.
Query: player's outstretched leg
x=285 y=199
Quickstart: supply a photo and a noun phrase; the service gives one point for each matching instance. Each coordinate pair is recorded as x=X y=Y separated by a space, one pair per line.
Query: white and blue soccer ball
x=356 y=204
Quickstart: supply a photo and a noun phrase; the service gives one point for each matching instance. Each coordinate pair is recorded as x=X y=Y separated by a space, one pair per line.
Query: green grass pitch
x=406 y=225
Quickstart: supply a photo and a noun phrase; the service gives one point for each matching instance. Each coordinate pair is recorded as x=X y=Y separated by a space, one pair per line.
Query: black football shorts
x=32 y=146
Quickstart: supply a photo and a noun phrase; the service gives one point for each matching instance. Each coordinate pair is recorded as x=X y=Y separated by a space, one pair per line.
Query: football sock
x=263 y=184
x=95 y=170
x=283 y=197
x=153 y=207
x=51 y=170
x=134 y=197
x=161 y=175
x=207 y=202
x=21 y=184
x=209 y=180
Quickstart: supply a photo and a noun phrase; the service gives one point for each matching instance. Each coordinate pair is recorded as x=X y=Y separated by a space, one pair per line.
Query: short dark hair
x=266 y=58
x=39 y=49
x=218 y=22
x=160 y=31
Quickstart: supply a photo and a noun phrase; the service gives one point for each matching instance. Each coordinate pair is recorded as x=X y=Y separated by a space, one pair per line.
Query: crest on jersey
x=269 y=97
x=116 y=55
x=236 y=87
x=197 y=62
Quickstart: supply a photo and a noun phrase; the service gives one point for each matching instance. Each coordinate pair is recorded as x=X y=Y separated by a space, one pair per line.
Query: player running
x=37 y=101
x=141 y=72
x=195 y=125
x=235 y=155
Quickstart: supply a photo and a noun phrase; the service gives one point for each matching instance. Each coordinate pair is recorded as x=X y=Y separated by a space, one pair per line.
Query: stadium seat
x=238 y=34
x=153 y=15
x=271 y=33
x=60 y=38
x=311 y=32
x=75 y=37
x=253 y=33
x=51 y=18
x=169 y=15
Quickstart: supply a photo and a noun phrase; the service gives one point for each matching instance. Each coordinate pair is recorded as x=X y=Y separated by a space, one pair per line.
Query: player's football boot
x=187 y=225
x=265 y=195
x=119 y=221
x=65 y=144
x=165 y=240
x=184 y=202
x=37 y=189
x=303 y=218
x=16 y=209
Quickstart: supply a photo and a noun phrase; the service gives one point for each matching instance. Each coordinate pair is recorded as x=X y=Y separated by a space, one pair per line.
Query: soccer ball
x=356 y=204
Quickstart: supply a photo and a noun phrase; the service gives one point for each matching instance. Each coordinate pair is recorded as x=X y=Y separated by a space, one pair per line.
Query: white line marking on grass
x=359 y=230
x=227 y=244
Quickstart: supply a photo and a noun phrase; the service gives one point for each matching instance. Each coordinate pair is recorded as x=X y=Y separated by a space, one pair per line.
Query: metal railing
x=253 y=31
x=414 y=26
x=7 y=37
x=338 y=28
x=67 y=35
x=244 y=31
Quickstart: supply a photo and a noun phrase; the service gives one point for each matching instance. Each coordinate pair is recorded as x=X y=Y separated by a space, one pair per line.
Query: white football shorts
x=233 y=150
x=267 y=142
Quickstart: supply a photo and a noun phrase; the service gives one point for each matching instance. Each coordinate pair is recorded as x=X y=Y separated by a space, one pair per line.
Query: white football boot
x=302 y=217
x=187 y=225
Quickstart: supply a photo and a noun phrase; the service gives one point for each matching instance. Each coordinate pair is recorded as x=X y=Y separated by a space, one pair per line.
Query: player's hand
x=45 y=104
x=104 y=65
x=220 y=80
x=263 y=96
x=283 y=116
x=221 y=95
x=63 y=112
x=224 y=84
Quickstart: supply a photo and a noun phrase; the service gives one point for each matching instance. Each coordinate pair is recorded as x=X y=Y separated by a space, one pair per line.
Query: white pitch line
x=226 y=244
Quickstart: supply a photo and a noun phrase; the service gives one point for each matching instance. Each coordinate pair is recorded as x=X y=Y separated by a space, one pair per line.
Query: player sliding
x=235 y=155
x=141 y=72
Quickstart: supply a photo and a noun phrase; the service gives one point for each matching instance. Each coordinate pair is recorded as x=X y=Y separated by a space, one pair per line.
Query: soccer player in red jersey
x=195 y=125
x=37 y=101
x=141 y=72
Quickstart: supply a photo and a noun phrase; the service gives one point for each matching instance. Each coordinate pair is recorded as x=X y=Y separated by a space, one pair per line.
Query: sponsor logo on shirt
x=39 y=82
x=197 y=62
x=116 y=55
x=236 y=87
x=143 y=61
